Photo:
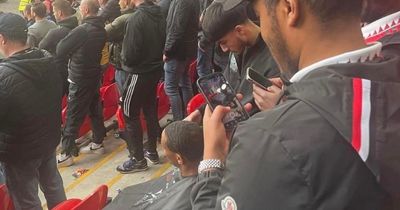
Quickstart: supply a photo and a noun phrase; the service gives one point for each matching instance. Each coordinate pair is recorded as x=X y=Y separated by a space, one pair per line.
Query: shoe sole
x=65 y=164
x=151 y=161
x=97 y=152
x=133 y=171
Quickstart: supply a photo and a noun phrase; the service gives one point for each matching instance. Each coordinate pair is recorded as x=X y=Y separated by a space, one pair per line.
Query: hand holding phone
x=217 y=91
x=257 y=79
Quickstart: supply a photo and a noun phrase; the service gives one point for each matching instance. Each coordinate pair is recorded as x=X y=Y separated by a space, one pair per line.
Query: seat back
x=68 y=204
x=195 y=103
x=163 y=104
x=109 y=75
x=95 y=201
x=5 y=199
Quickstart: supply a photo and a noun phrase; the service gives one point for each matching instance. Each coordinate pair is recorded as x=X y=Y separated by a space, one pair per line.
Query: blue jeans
x=204 y=65
x=177 y=79
x=120 y=78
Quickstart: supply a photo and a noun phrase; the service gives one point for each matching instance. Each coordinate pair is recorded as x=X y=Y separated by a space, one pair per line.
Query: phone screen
x=217 y=91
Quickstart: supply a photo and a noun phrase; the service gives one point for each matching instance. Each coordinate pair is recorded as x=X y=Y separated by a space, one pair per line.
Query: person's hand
x=216 y=141
x=194 y=117
x=165 y=58
x=266 y=99
x=216 y=137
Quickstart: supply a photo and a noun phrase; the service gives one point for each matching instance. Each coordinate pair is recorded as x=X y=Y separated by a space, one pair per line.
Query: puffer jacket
x=84 y=45
x=30 y=104
x=182 y=28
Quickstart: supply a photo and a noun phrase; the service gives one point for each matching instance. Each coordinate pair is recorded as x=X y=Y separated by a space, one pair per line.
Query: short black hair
x=217 y=22
x=39 y=9
x=185 y=138
x=328 y=10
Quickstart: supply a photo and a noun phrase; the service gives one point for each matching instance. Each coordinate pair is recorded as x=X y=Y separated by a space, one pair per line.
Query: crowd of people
x=324 y=135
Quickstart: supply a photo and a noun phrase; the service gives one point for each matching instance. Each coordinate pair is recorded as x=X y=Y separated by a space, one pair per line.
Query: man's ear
x=292 y=11
x=179 y=159
x=240 y=31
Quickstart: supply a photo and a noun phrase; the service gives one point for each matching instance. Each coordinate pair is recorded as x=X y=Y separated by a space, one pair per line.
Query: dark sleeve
x=115 y=29
x=133 y=41
x=178 y=27
x=49 y=42
x=31 y=41
x=73 y=41
x=259 y=172
x=204 y=192
x=3 y=100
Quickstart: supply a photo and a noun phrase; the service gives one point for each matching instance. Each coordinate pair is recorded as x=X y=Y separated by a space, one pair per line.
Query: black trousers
x=82 y=101
x=140 y=94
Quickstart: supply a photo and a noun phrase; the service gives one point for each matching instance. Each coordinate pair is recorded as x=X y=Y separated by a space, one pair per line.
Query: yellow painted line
x=94 y=168
x=157 y=174
x=161 y=170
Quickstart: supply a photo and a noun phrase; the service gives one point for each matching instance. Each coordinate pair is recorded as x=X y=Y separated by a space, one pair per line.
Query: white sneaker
x=93 y=148
x=64 y=160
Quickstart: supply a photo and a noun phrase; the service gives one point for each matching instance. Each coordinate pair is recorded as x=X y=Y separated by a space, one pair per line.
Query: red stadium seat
x=110 y=97
x=5 y=199
x=195 y=103
x=109 y=76
x=95 y=201
x=68 y=204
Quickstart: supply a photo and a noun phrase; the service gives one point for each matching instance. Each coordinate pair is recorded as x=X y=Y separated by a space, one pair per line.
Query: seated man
x=237 y=34
x=183 y=146
x=302 y=154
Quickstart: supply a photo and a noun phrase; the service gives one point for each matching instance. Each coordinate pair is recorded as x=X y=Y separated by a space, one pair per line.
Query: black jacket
x=144 y=40
x=182 y=28
x=55 y=35
x=30 y=104
x=110 y=11
x=300 y=151
x=84 y=45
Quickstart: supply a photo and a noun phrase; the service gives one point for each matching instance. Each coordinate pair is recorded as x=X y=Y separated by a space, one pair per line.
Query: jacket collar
x=361 y=55
x=382 y=26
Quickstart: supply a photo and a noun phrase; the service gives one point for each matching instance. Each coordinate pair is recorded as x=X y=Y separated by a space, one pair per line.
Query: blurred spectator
x=85 y=44
x=306 y=148
x=63 y=13
x=115 y=34
x=179 y=51
x=142 y=65
x=39 y=29
x=30 y=97
x=109 y=10
x=22 y=5
x=28 y=15
x=205 y=47
x=164 y=4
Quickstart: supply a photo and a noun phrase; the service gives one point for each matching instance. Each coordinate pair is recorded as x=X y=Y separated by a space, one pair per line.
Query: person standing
x=41 y=27
x=180 y=49
x=85 y=43
x=142 y=63
x=30 y=104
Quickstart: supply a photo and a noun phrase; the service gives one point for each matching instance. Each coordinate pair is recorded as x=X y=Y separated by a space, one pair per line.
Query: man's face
x=84 y=10
x=57 y=14
x=2 y=45
x=276 y=40
x=231 y=42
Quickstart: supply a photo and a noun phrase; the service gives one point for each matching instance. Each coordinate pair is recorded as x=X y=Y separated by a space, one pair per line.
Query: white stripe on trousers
x=129 y=94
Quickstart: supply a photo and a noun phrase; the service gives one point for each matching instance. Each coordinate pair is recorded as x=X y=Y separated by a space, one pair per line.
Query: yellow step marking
x=95 y=167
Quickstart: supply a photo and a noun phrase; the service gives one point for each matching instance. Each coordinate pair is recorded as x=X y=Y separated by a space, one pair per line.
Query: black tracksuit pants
x=82 y=101
x=140 y=93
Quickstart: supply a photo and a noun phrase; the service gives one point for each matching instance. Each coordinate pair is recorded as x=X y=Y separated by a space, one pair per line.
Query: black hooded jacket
x=144 y=40
x=84 y=45
x=30 y=104
x=302 y=154
x=182 y=28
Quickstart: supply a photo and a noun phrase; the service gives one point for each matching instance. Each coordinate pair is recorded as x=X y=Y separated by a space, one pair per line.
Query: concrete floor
x=10 y=6
x=102 y=170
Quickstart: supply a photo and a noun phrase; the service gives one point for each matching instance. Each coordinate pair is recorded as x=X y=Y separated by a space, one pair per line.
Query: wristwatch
x=210 y=163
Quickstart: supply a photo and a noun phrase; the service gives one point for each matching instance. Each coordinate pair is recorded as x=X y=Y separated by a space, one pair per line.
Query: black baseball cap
x=13 y=25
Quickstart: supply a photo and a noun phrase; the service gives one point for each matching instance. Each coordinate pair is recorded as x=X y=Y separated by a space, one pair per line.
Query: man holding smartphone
x=310 y=151
x=232 y=29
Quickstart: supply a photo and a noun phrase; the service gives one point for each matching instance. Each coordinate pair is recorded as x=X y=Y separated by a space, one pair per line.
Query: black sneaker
x=132 y=166
x=152 y=157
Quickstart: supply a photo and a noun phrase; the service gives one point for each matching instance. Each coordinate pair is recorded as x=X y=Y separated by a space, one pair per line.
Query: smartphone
x=258 y=79
x=217 y=91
